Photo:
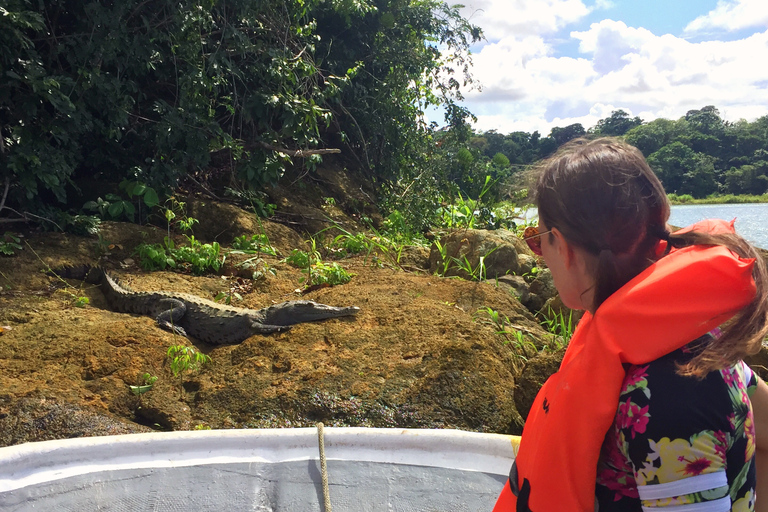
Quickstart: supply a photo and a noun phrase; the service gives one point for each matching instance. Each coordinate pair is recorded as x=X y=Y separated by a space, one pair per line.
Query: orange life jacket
x=682 y=296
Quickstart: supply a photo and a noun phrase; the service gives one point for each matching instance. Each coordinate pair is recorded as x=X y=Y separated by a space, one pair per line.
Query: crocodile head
x=299 y=311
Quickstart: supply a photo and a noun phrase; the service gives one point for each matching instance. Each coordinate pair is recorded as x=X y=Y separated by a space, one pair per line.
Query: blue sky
x=548 y=63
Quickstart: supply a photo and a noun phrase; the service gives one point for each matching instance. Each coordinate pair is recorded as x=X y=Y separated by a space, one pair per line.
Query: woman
x=651 y=406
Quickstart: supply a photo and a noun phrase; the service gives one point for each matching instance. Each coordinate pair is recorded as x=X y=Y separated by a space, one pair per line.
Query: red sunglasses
x=532 y=237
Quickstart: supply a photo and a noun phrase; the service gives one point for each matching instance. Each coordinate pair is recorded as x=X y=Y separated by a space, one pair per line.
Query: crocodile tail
x=87 y=273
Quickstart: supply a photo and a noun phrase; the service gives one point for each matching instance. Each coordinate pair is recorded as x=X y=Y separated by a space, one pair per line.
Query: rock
x=534 y=374
x=527 y=264
x=554 y=307
x=222 y=222
x=515 y=285
x=159 y=411
x=24 y=420
x=499 y=254
x=541 y=290
x=415 y=256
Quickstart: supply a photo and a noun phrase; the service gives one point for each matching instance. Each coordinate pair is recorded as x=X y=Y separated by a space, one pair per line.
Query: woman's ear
x=562 y=247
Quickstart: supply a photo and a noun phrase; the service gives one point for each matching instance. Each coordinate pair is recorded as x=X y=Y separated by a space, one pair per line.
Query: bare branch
x=299 y=153
x=5 y=191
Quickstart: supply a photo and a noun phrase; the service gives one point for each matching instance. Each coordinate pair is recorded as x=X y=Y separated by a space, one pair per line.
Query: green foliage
x=318 y=272
x=175 y=214
x=227 y=297
x=154 y=257
x=146 y=382
x=719 y=199
x=466 y=213
x=150 y=93
x=680 y=199
x=474 y=273
x=9 y=244
x=617 y=124
x=112 y=206
x=80 y=302
x=523 y=347
x=560 y=326
x=380 y=247
x=351 y=244
x=257 y=243
x=331 y=274
x=260 y=268
x=196 y=257
x=117 y=207
x=185 y=359
x=298 y=258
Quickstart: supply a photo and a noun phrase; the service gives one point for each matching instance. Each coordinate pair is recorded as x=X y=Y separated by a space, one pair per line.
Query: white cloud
x=527 y=87
x=501 y=18
x=732 y=15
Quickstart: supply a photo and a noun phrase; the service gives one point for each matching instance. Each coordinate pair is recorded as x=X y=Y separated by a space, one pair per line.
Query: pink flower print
x=695 y=466
x=636 y=375
x=721 y=444
x=633 y=417
x=620 y=482
x=732 y=420
x=730 y=376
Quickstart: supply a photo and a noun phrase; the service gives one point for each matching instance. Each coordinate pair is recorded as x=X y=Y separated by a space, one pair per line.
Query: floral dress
x=680 y=443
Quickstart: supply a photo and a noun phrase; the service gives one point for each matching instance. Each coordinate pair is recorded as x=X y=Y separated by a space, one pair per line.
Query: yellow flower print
x=745 y=504
x=674 y=459
x=749 y=433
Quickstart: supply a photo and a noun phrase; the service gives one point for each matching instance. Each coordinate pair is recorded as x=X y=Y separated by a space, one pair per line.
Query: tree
x=652 y=136
x=570 y=132
x=617 y=124
x=671 y=163
x=707 y=120
x=747 y=179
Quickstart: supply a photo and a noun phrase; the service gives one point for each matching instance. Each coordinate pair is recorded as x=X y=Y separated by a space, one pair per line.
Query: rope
x=323 y=467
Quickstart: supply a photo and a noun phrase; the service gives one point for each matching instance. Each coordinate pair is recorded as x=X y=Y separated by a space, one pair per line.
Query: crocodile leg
x=170 y=313
x=259 y=328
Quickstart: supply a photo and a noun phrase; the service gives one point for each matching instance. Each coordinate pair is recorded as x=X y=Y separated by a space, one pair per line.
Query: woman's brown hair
x=603 y=197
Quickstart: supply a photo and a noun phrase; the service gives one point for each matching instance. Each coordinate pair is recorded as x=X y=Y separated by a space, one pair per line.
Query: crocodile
x=198 y=318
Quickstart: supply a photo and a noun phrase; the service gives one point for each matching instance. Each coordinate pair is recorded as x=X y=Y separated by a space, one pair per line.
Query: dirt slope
x=415 y=356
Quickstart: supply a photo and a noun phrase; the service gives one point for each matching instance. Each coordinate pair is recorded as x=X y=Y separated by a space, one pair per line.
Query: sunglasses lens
x=532 y=238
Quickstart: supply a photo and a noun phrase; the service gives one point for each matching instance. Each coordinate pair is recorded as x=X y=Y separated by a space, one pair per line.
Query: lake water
x=751 y=219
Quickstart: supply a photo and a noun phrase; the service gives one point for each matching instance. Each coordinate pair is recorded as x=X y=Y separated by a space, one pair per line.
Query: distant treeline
x=699 y=154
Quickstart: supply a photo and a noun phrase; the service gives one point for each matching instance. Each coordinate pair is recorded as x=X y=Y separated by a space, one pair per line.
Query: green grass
x=717 y=199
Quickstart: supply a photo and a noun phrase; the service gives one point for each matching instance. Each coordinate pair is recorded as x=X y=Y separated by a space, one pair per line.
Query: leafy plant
x=445 y=261
x=80 y=301
x=226 y=297
x=351 y=244
x=175 y=214
x=115 y=207
x=146 y=381
x=196 y=257
x=298 y=258
x=522 y=347
x=560 y=326
x=186 y=359
x=476 y=273
x=258 y=243
x=154 y=257
x=332 y=274
x=9 y=244
x=261 y=269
